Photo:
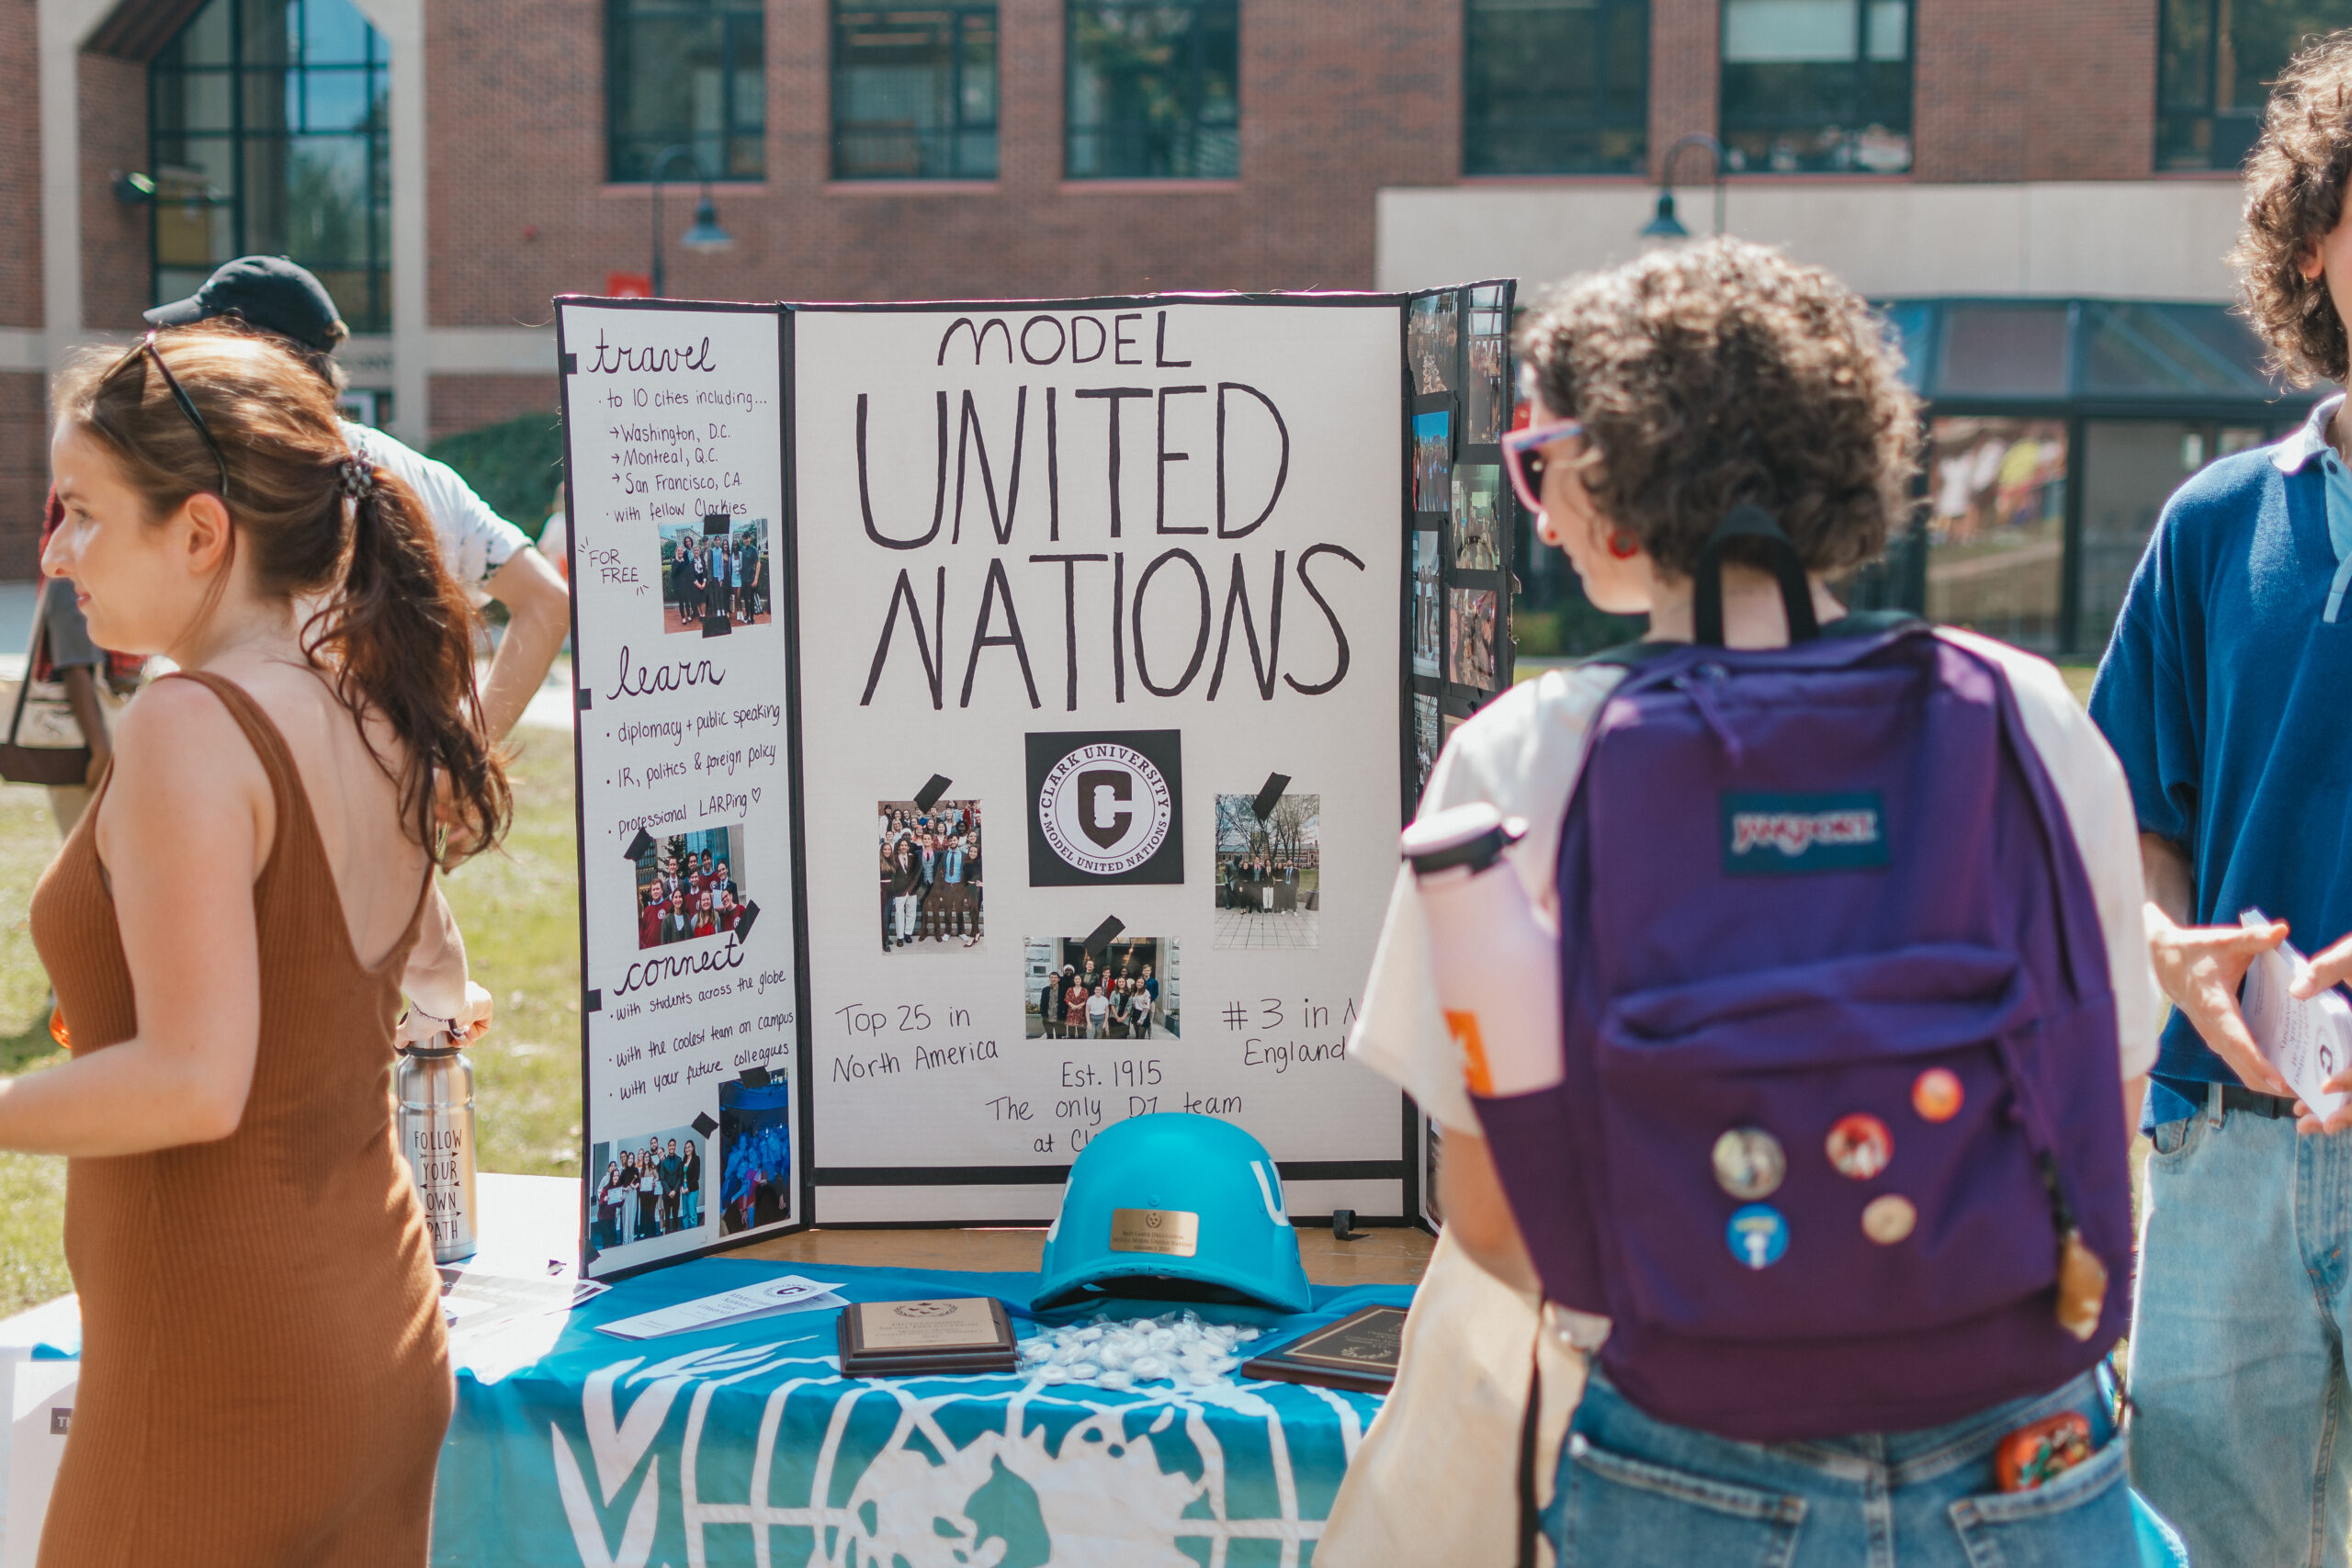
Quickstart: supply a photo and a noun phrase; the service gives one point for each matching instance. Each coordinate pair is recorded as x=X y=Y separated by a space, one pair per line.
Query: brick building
x=449 y=165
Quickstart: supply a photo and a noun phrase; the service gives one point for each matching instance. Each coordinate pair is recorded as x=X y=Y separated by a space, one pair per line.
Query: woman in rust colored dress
x=264 y=1379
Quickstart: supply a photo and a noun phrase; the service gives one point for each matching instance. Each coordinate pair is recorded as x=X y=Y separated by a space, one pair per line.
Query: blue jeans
x=1635 y=1492
x=2237 y=1340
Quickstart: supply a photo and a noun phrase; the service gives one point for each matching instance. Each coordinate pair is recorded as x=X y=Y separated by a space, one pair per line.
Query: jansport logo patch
x=1108 y=807
x=1780 y=835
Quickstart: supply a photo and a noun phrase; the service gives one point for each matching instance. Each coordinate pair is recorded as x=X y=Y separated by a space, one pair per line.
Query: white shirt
x=1520 y=754
x=474 y=541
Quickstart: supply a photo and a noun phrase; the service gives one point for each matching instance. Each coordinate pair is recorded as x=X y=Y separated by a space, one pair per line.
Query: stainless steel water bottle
x=434 y=1084
x=1497 y=968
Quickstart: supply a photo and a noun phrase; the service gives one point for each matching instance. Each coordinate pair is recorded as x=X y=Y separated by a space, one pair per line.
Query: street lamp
x=704 y=233
x=1666 y=225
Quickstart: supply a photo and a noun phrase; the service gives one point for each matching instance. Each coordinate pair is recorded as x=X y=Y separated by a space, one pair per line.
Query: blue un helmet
x=1174 y=1196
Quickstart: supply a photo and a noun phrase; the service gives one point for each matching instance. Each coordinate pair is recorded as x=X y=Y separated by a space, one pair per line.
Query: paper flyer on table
x=789 y=1293
x=474 y=1301
x=2308 y=1042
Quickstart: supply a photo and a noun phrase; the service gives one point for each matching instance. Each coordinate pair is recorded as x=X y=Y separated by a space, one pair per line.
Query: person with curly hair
x=1668 y=393
x=2222 y=690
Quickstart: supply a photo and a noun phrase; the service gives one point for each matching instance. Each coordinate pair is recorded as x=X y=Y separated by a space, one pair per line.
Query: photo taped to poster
x=646 y=1188
x=673 y=418
x=1123 y=989
x=1477 y=516
x=1470 y=656
x=1428 y=605
x=1270 y=870
x=1429 y=336
x=1432 y=460
x=1425 y=741
x=1488 y=396
x=686 y=886
x=931 y=871
x=1078 y=558
x=755 y=1138
x=715 y=575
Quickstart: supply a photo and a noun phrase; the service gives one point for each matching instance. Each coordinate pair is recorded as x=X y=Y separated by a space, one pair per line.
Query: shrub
x=515 y=465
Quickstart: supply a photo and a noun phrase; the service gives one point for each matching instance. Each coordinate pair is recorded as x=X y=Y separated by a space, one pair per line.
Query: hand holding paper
x=2302 y=1026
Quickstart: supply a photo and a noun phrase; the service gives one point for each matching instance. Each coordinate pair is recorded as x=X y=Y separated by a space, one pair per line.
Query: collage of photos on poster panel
x=930 y=873
x=1458 y=352
x=1125 y=988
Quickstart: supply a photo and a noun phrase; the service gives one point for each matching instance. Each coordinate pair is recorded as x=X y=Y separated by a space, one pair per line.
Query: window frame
x=1601 y=122
x=734 y=16
x=374 y=70
x=2207 y=107
x=954 y=133
x=1073 y=130
x=1853 y=115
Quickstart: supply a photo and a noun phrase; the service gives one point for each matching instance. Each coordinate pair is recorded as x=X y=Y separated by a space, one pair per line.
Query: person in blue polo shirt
x=2224 y=691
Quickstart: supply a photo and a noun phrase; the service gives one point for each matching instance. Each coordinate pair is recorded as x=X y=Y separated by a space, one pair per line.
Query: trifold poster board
x=995 y=722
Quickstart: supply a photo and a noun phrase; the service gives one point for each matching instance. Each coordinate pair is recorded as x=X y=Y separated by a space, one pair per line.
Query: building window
x=2215 y=62
x=1555 y=86
x=1155 y=90
x=1997 y=526
x=914 y=93
x=689 y=74
x=267 y=135
x=1817 y=86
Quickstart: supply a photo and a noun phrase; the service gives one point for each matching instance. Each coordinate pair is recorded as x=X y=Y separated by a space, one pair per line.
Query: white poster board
x=1077 y=584
x=693 y=1128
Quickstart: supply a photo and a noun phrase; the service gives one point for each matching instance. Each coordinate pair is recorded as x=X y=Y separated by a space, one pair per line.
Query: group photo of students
x=1124 y=991
x=648 y=1189
x=687 y=887
x=713 y=577
x=929 y=873
x=1269 y=872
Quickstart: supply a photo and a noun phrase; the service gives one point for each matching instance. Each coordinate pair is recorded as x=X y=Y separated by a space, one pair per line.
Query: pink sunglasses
x=1523 y=457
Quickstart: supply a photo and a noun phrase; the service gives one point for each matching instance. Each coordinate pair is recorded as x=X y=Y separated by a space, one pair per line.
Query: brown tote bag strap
x=52 y=765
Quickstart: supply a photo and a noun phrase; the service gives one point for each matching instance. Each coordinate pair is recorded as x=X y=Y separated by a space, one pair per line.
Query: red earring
x=1623 y=545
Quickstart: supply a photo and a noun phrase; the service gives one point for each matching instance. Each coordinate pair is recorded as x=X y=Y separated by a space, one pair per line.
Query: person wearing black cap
x=489 y=557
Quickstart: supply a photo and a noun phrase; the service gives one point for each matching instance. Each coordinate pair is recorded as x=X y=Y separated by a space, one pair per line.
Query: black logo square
x=1106 y=806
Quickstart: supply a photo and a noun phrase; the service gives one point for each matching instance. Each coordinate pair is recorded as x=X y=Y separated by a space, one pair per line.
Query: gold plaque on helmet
x=1170 y=1233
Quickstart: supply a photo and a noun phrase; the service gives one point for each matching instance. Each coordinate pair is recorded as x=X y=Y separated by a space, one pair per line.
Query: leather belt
x=2237 y=1097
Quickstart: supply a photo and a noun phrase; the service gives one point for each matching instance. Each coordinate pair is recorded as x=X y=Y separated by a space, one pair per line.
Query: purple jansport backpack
x=1841 y=1055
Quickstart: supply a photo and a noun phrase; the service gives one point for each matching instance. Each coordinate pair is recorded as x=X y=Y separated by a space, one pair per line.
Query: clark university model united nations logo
x=1109 y=807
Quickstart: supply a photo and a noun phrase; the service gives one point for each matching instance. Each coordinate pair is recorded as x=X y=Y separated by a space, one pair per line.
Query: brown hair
x=1718 y=373
x=2294 y=197
x=394 y=632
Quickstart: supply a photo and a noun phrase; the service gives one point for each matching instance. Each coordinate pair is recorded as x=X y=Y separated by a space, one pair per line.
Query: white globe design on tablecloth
x=1105 y=808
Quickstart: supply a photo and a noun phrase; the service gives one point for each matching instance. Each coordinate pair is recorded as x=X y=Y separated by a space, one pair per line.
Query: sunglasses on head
x=145 y=349
x=1523 y=457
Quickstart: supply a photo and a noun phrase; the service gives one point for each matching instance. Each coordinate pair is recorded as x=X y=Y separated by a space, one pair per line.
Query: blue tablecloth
x=744 y=1445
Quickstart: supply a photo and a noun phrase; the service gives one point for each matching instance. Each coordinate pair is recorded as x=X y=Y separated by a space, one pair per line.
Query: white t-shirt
x=474 y=540
x=1452 y=1422
x=1520 y=754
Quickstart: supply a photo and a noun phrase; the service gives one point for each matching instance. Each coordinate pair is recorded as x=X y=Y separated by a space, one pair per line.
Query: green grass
x=520 y=912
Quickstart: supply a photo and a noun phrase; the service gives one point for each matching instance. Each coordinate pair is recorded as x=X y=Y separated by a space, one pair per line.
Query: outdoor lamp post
x=1666 y=225
x=704 y=233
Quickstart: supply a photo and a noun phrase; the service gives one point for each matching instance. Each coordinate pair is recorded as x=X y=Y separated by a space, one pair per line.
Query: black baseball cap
x=270 y=292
